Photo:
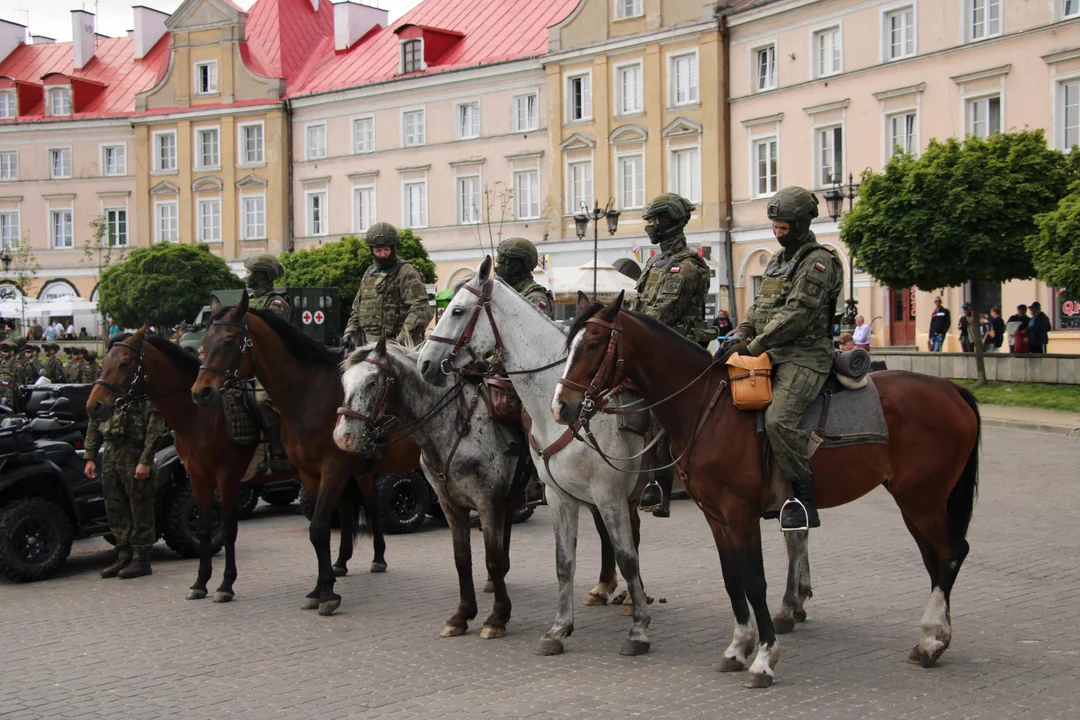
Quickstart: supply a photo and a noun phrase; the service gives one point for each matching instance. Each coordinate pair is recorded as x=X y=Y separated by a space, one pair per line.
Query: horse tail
x=355 y=497
x=961 y=502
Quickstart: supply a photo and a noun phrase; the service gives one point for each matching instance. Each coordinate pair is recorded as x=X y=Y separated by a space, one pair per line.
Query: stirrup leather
x=806 y=515
x=660 y=490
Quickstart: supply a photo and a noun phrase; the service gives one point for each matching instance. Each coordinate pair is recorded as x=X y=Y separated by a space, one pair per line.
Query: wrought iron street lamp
x=834 y=198
x=581 y=225
x=5 y=260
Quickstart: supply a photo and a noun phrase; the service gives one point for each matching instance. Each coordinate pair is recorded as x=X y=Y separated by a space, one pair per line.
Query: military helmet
x=30 y=347
x=676 y=206
x=793 y=203
x=265 y=263
x=7 y=347
x=520 y=248
x=382 y=234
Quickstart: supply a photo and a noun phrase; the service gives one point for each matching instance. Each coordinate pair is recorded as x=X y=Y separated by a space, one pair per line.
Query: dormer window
x=60 y=101
x=8 y=105
x=206 y=78
x=412 y=56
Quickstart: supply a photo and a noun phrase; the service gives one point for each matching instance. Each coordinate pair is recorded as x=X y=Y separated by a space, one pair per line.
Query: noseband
x=609 y=378
x=232 y=375
x=377 y=424
x=125 y=396
x=483 y=304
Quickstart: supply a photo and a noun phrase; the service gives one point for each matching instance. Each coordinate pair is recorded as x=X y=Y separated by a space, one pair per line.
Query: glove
x=731 y=342
x=743 y=350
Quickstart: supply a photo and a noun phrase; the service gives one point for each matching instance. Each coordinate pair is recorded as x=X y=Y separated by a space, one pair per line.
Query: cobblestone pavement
x=77 y=646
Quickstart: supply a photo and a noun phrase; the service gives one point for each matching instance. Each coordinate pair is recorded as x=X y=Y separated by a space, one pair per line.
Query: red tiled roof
x=494 y=31
x=282 y=36
x=114 y=66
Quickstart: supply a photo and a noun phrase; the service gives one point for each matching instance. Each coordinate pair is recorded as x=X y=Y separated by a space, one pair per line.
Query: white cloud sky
x=53 y=17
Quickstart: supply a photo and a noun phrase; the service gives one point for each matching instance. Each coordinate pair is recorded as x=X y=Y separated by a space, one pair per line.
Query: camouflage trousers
x=794 y=387
x=129 y=503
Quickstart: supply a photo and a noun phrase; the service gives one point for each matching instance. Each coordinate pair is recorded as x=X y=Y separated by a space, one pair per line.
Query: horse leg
x=609 y=581
x=762 y=671
x=370 y=496
x=798 y=582
x=204 y=501
x=229 y=491
x=458 y=519
x=564 y=514
x=347 y=510
x=744 y=637
x=493 y=520
x=324 y=597
x=635 y=528
x=616 y=517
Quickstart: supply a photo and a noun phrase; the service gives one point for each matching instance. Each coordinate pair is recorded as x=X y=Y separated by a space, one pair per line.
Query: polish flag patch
x=275 y=303
x=675 y=269
x=819 y=267
x=543 y=305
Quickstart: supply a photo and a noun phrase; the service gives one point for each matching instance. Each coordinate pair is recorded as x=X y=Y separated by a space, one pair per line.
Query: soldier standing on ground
x=52 y=368
x=92 y=363
x=81 y=371
x=31 y=366
x=8 y=379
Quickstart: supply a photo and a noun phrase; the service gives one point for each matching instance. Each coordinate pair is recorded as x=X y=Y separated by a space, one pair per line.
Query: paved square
x=77 y=646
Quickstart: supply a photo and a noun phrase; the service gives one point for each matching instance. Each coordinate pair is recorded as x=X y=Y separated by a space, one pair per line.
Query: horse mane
x=647 y=320
x=178 y=355
x=119 y=338
x=360 y=354
x=302 y=347
x=579 y=321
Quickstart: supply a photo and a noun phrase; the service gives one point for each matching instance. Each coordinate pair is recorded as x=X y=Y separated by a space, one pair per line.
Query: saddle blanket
x=241 y=422
x=855 y=417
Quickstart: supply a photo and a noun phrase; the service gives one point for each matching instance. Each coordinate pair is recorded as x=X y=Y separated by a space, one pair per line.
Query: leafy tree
x=1056 y=249
x=163 y=284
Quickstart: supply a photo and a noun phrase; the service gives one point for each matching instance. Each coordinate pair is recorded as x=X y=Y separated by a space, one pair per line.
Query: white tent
x=16 y=309
x=609 y=283
x=65 y=307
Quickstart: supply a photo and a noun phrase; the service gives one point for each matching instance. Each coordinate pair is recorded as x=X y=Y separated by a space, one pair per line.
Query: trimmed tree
x=1055 y=250
x=163 y=284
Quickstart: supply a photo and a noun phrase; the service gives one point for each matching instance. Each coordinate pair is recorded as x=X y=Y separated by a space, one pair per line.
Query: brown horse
x=930 y=464
x=303 y=379
x=148 y=366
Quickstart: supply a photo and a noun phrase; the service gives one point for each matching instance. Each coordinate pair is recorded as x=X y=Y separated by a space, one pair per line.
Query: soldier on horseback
x=791 y=320
x=514 y=263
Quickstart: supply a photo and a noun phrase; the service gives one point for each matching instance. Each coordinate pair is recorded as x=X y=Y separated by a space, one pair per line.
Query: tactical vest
x=658 y=286
x=381 y=309
x=127 y=427
x=532 y=290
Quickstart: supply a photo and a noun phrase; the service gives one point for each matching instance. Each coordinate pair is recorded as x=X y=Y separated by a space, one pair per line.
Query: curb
x=1045 y=428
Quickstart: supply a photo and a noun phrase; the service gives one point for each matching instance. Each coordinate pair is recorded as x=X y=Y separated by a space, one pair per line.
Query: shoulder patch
x=820 y=267
x=675 y=269
x=275 y=302
x=542 y=304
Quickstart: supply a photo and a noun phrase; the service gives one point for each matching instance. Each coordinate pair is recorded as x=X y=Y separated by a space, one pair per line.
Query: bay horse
x=303 y=380
x=139 y=365
x=486 y=315
x=930 y=465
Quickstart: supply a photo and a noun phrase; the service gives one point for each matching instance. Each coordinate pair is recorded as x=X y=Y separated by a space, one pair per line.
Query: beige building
x=823 y=89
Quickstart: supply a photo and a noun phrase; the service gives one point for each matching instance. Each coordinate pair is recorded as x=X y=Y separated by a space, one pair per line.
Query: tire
x=181 y=523
x=524 y=513
x=282 y=496
x=249 y=498
x=35 y=539
x=403 y=501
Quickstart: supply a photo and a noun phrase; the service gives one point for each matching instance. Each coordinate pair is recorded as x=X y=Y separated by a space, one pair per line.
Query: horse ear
x=583 y=303
x=215 y=305
x=242 y=306
x=615 y=307
x=485 y=269
x=141 y=332
x=380 y=347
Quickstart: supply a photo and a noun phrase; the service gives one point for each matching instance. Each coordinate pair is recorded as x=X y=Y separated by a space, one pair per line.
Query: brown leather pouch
x=504 y=404
x=751 y=381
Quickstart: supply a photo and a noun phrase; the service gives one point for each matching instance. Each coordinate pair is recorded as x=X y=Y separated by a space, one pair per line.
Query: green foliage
x=163 y=284
x=1056 y=249
x=963 y=210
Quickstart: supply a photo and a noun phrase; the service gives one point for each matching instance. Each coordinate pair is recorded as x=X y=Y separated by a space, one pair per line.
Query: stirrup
x=806 y=516
x=659 y=490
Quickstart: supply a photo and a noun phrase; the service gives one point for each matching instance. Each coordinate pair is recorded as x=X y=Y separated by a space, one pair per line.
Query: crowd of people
x=1022 y=333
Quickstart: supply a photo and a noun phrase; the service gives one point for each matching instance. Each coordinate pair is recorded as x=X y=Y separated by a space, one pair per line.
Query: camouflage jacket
x=537 y=294
x=672 y=289
x=81 y=373
x=31 y=371
x=275 y=302
x=134 y=427
x=391 y=301
x=791 y=318
x=8 y=384
x=54 y=370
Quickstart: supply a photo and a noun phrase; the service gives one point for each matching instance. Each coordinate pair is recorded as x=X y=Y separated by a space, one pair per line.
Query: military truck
x=315 y=311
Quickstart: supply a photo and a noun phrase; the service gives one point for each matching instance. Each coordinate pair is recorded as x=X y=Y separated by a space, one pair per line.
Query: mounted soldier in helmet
x=514 y=263
x=791 y=320
x=672 y=289
x=262 y=271
x=392 y=300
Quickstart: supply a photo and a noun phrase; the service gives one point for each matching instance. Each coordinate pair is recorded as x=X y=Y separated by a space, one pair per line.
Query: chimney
x=352 y=21
x=82 y=37
x=41 y=40
x=149 y=27
x=12 y=35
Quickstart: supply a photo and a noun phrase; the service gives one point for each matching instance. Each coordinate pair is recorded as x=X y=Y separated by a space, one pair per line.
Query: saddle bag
x=503 y=403
x=241 y=420
x=751 y=381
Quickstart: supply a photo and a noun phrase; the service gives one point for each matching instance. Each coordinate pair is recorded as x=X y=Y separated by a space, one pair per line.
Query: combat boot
x=275 y=461
x=800 y=513
x=123 y=559
x=138 y=567
x=652 y=498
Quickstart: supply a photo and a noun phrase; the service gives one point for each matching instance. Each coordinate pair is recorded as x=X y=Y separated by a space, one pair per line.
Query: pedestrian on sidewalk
x=862 y=333
x=998 y=326
x=1038 y=329
x=1016 y=328
x=940 y=321
x=986 y=331
x=965 y=322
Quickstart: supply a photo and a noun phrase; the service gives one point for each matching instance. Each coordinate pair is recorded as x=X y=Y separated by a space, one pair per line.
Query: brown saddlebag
x=751 y=381
x=504 y=404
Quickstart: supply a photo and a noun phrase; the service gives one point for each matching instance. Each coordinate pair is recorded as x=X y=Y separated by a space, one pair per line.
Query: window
x=578 y=186
x=206 y=148
x=209 y=220
x=686 y=173
x=766 y=161
x=167 y=222
x=116 y=227
x=317 y=213
x=765 y=68
x=416 y=204
x=9 y=230
x=527 y=194
x=830 y=156
x=60 y=229
x=1070 y=8
x=316 y=141
x=985 y=18
x=827 y=46
x=412 y=56
x=165 y=152
x=114 y=160
x=628 y=89
x=9 y=165
x=984 y=116
x=526 y=112
x=1070 y=114
x=467 y=120
x=60 y=163
x=900 y=33
x=579 y=97
x=8 y=105
x=628 y=9
x=253 y=216
x=412 y=131
x=251 y=144
x=363 y=208
x=631 y=181
x=363 y=130
x=901 y=129
x=684 y=79
x=206 y=78
x=60 y=101
x=468 y=199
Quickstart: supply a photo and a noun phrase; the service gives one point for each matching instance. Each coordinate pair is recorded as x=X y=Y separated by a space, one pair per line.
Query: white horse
x=492 y=316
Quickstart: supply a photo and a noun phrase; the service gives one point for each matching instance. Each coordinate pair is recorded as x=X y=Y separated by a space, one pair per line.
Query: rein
x=232 y=375
x=129 y=395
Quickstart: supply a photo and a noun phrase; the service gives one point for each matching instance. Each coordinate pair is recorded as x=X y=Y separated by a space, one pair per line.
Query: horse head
x=464 y=332
x=593 y=359
x=369 y=382
x=226 y=352
x=120 y=370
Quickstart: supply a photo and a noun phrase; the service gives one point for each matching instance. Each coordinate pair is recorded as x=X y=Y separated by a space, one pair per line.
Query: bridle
x=232 y=374
x=377 y=424
x=125 y=395
x=610 y=374
x=483 y=304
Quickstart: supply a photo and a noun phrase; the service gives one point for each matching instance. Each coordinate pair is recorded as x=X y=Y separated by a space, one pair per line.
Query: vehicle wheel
x=181 y=523
x=282 y=496
x=403 y=501
x=249 y=498
x=35 y=539
x=524 y=513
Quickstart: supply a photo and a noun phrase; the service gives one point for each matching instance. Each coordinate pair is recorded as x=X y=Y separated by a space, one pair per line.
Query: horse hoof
x=223 y=597
x=783 y=625
x=491 y=633
x=634 y=647
x=549 y=646
x=928 y=660
x=915 y=656
x=489 y=587
x=453 y=631
x=594 y=599
x=799 y=615
x=378 y=567
x=340 y=571
x=619 y=599
x=310 y=604
x=628 y=609
x=195 y=594
x=328 y=607
x=756 y=681
x=730 y=664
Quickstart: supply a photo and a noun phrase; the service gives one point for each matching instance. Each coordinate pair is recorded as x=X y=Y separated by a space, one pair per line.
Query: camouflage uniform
x=81 y=371
x=391 y=299
x=31 y=366
x=52 y=368
x=514 y=263
x=94 y=371
x=129 y=437
x=8 y=379
x=791 y=320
